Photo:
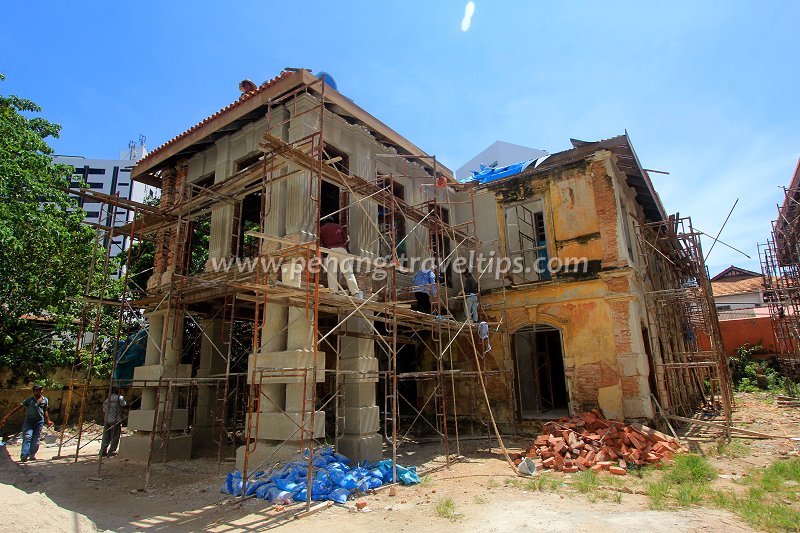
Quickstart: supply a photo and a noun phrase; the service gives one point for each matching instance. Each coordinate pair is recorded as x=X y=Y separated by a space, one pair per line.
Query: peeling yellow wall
x=594 y=315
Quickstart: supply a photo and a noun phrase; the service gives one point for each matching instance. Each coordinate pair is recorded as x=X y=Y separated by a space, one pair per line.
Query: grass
x=446 y=508
x=586 y=481
x=425 y=480
x=685 y=483
x=731 y=449
x=544 y=482
x=690 y=468
x=764 y=501
x=493 y=484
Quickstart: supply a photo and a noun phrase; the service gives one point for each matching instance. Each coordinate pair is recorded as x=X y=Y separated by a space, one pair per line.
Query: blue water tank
x=327 y=78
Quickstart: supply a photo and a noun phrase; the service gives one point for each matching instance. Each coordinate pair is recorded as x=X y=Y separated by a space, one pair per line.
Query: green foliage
x=45 y=250
x=745 y=371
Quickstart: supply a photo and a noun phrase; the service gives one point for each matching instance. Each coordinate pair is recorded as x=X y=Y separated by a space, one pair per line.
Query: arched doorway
x=539 y=362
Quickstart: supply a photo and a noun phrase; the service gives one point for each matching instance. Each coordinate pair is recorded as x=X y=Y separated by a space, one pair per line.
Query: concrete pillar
x=361 y=440
x=301 y=214
x=213 y=362
x=165 y=335
x=284 y=404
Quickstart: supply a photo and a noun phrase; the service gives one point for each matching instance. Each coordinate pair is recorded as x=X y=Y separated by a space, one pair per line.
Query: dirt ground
x=59 y=494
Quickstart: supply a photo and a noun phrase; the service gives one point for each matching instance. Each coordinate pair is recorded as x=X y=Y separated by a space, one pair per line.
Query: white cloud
x=469 y=10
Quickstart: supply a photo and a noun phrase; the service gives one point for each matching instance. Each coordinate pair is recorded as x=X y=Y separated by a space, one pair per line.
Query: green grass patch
x=544 y=482
x=585 y=481
x=690 y=468
x=446 y=508
x=768 y=497
x=658 y=493
x=480 y=500
x=730 y=449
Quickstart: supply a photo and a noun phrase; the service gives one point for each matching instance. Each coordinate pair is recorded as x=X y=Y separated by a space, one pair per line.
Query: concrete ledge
x=286 y=426
x=294 y=361
x=360 y=364
x=137 y=448
x=154 y=372
x=142 y=420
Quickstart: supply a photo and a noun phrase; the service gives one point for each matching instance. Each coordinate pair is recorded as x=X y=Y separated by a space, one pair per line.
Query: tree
x=45 y=250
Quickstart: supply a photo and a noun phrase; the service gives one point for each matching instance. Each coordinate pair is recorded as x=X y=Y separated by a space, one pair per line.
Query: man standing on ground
x=112 y=409
x=424 y=287
x=36 y=417
x=471 y=294
x=334 y=237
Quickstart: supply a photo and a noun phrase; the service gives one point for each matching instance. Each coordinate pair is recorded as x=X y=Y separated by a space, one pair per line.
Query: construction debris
x=589 y=441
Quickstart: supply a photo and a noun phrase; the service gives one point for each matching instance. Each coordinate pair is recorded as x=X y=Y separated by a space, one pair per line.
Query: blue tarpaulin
x=488 y=174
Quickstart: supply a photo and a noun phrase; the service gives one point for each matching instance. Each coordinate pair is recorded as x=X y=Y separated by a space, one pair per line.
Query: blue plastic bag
x=339 y=495
x=261 y=492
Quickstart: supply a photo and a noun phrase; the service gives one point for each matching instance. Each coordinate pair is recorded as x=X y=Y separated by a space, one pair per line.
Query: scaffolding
x=780 y=267
x=692 y=370
x=237 y=296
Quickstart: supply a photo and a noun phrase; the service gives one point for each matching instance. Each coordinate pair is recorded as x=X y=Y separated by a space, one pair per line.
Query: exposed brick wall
x=607 y=214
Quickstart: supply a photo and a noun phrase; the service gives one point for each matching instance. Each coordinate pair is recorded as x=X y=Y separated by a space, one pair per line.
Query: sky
x=708 y=91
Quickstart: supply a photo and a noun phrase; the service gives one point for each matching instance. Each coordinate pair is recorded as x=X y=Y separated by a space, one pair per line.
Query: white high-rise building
x=108 y=176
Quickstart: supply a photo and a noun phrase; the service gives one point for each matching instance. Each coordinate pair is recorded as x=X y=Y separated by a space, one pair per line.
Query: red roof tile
x=741 y=286
x=243 y=98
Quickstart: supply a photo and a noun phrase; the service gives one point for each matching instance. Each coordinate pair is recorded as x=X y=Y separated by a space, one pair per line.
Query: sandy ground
x=59 y=494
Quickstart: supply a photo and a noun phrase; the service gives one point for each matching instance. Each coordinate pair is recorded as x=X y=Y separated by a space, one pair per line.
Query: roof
x=627 y=162
x=734 y=273
x=251 y=106
x=742 y=286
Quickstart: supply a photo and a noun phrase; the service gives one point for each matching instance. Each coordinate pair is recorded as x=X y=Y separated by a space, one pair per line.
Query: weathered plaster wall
x=599 y=314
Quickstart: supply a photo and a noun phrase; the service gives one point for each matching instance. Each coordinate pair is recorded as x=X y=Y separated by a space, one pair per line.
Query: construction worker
x=112 y=409
x=471 y=294
x=36 y=417
x=334 y=237
x=424 y=287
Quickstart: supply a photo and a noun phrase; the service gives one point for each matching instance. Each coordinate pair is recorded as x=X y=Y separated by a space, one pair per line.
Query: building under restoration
x=590 y=295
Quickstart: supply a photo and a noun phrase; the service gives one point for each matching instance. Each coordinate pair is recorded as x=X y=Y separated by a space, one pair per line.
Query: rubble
x=590 y=441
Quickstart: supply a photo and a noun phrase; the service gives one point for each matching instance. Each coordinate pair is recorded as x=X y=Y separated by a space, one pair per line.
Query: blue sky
x=708 y=91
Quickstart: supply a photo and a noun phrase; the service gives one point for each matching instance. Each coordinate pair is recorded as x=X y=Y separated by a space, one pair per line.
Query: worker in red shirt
x=334 y=237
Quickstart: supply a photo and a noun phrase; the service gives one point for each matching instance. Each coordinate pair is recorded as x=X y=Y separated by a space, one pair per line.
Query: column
x=361 y=440
x=213 y=362
x=165 y=335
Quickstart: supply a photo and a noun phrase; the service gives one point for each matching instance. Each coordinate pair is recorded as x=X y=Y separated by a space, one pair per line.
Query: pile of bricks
x=589 y=441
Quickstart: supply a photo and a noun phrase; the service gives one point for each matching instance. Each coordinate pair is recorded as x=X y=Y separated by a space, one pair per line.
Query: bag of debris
x=233 y=483
x=263 y=490
x=287 y=485
x=253 y=486
x=339 y=495
x=336 y=475
x=320 y=487
x=349 y=481
x=374 y=483
x=276 y=495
